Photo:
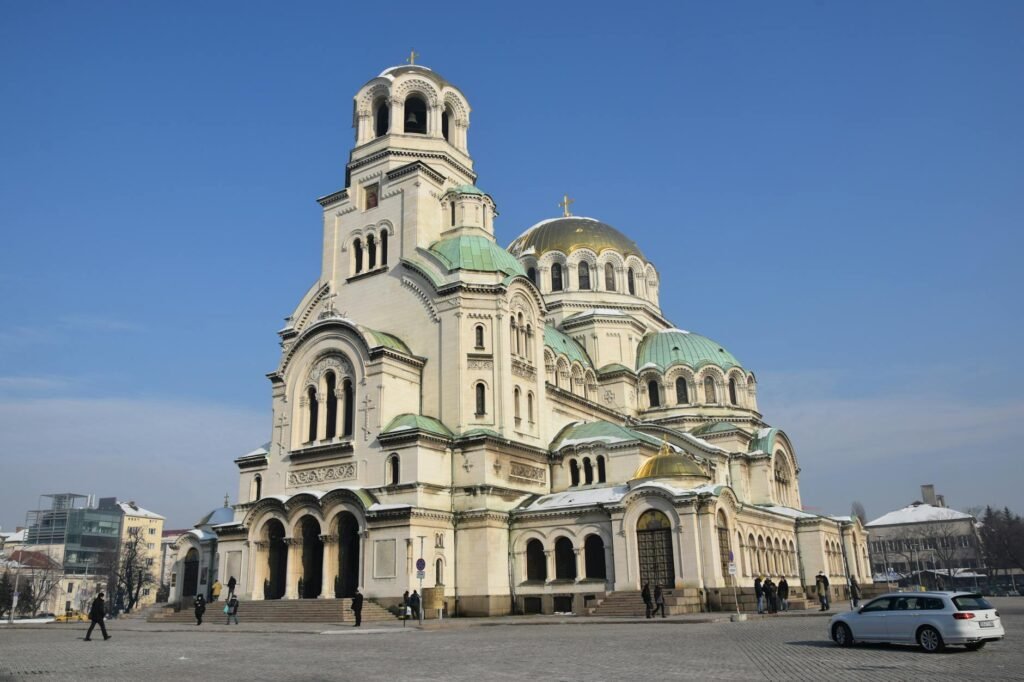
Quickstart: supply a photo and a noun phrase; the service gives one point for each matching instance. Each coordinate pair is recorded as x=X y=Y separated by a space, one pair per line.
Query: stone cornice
x=333 y=198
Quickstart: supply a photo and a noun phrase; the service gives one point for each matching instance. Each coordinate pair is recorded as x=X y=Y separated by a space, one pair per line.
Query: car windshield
x=967 y=602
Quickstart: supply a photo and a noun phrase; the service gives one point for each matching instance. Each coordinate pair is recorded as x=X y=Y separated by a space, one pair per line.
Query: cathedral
x=517 y=429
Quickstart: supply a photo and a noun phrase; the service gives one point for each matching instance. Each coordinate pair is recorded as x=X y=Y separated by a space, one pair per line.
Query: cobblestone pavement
x=784 y=648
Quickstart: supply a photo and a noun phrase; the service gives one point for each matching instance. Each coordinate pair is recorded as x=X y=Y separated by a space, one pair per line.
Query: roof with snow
x=580 y=433
x=132 y=509
x=918 y=513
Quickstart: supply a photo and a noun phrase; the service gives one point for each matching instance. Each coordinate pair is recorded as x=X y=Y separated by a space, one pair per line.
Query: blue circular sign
x=420 y=564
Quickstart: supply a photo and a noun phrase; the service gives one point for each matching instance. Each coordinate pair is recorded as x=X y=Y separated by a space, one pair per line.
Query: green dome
x=480 y=254
x=467 y=189
x=678 y=347
x=572 y=233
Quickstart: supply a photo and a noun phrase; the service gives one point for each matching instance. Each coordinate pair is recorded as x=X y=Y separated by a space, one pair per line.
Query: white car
x=931 y=619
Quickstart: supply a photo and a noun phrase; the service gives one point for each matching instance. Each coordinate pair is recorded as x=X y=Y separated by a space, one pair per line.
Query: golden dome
x=668 y=464
x=571 y=233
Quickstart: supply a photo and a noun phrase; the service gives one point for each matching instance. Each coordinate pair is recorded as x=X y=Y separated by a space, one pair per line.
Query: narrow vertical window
x=529 y=407
x=556 y=277
x=481 y=400
x=600 y=469
x=532 y=274
x=444 y=125
x=513 y=337
x=371 y=252
x=588 y=471
x=732 y=391
x=574 y=472
x=415 y=115
x=331 y=405
x=584 y=276
x=479 y=336
x=439 y=572
x=383 y=116
x=350 y=407
x=653 y=397
x=453 y=213
x=394 y=470
x=709 y=390
x=313 y=413
x=384 y=247
x=609 y=277
x=631 y=282
x=357 y=248
x=257 y=492
x=682 y=394
x=516 y=395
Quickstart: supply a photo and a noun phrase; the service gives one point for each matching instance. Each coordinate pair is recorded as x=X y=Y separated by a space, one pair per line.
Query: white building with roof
x=524 y=420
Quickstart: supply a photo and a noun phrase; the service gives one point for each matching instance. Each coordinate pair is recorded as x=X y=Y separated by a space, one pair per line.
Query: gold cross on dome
x=412 y=56
x=564 y=204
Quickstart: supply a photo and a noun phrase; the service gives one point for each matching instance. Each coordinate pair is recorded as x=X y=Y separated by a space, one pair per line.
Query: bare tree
x=857 y=511
x=134 y=572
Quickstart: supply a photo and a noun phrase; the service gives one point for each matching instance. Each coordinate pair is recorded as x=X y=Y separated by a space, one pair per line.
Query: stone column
x=339 y=412
x=291 y=588
x=258 y=560
x=363 y=537
x=609 y=565
x=549 y=557
x=321 y=411
x=330 y=567
x=303 y=418
x=581 y=564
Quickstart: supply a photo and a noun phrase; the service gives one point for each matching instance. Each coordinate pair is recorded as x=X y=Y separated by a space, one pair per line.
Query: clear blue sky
x=833 y=190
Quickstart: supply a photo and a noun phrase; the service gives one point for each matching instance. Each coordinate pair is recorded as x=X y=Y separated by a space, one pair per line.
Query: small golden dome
x=668 y=464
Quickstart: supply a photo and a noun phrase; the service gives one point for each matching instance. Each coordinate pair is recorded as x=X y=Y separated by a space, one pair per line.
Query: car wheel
x=841 y=634
x=974 y=646
x=930 y=639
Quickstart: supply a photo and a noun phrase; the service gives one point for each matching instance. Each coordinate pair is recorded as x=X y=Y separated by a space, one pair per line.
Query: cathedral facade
x=523 y=419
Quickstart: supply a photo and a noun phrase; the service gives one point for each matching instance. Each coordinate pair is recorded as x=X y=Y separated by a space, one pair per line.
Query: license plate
x=987 y=623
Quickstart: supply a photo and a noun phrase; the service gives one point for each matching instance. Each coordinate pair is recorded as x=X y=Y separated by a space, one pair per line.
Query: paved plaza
x=779 y=648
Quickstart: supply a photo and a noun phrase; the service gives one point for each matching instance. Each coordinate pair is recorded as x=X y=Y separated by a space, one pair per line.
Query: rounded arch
x=393 y=469
x=594 y=556
x=536 y=560
x=565 y=558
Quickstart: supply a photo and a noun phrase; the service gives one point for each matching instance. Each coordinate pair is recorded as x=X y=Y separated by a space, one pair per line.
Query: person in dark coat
x=357 y=607
x=772 y=591
x=231 y=586
x=231 y=608
x=659 y=601
x=821 y=584
x=97 y=612
x=784 y=594
x=759 y=593
x=854 y=591
x=414 y=604
x=200 y=604
x=645 y=594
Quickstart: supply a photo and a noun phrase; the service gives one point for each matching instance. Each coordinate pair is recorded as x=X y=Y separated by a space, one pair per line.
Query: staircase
x=281 y=611
x=631 y=604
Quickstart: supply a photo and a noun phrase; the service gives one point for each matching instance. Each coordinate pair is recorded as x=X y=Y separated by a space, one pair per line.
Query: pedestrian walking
x=200 y=606
x=659 y=601
x=97 y=612
x=645 y=594
x=216 y=590
x=231 y=609
x=784 y=594
x=854 y=592
x=357 y=607
x=759 y=593
x=406 y=610
x=821 y=584
x=414 y=604
x=231 y=586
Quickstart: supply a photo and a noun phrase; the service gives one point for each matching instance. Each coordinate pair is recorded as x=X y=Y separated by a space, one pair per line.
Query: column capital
x=328 y=539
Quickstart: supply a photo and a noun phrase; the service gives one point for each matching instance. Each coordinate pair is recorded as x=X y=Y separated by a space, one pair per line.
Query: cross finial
x=565 y=203
x=412 y=56
x=227 y=500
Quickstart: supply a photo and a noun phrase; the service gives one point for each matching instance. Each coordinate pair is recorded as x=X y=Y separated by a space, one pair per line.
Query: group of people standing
x=771 y=598
x=655 y=604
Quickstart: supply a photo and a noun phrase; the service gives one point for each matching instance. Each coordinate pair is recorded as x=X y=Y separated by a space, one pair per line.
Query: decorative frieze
x=337 y=472
x=526 y=472
x=480 y=364
x=522 y=369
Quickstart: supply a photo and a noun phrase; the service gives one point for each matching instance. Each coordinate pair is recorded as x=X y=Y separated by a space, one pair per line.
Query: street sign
x=421 y=565
x=420 y=575
x=732 y=568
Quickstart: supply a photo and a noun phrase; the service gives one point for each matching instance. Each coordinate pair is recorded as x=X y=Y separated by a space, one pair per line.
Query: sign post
x=421 y=573
x=732 y=576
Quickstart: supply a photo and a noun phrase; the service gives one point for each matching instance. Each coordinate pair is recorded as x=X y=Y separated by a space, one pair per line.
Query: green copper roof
x=677 y=347
x=388 y=341
x=472 y=252
x=614 y=367
x=715 y=427
x=599 y=431
x=480 y=432
x=565 y=345
x=408 y=421
x=764 y=441
x=466 y=189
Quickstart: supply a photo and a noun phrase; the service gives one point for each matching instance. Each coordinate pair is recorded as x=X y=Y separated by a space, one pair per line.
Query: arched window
x=439 y=572
x=556 y=277
x=574 y=472
x=565 y=559
x=383 y=247
x=371 y=252
x=257 y=488
x=682 y=395
x=732 y=391
x=516 y=395
x=653 y=395
x=593 y=554
x=415 y=115
x=481 y=400
x=724 y=550
x=394 y=470
x=445 y=118
x=536 y=562
x=631 y=282
x=588 y=471
x=479 y=336
x=532 y=274
x=584 y=275
x=513 y=337
x=357 y=248
x=609 y=277
x=350 y=407
x=331 y=405
x=382 y=118
x=709 y=390
x=529 y=407
x=600 y=469
x=314 y=413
